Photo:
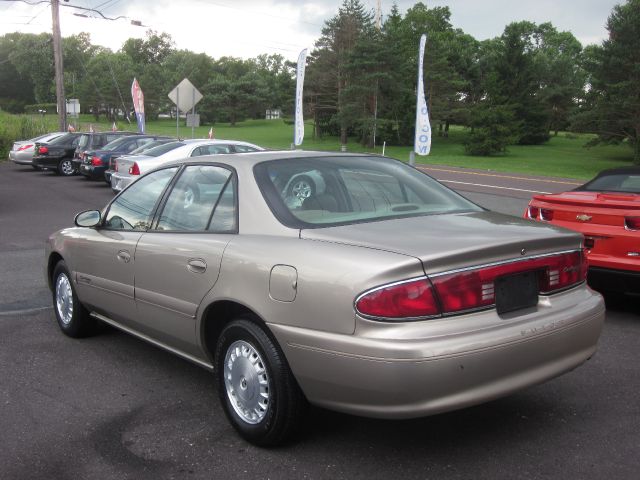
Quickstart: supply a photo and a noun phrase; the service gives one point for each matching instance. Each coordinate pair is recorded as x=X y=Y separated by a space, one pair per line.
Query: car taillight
x=470 y=289
x=96 y=161
x=134 y=169
x=24 y=147
x=632 y=223
x=533 y=212
x=410 y=299
x=546 y=214
x=43 y=150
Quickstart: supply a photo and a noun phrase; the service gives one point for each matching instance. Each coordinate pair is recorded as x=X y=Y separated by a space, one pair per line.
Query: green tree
x=32 y=57
x=16 y=88
x=330 y=76
x=612 y=104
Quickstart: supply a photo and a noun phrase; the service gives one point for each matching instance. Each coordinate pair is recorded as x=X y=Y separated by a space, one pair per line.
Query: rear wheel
x=65 y=167
x=259 y=394
x=74 y=320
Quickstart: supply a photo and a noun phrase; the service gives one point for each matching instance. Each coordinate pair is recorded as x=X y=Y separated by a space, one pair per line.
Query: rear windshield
x=84 y=141
x=161 y=149
x=66 y=138
x=148 y=146
x=324 y=191
x=619 y=182
x=115 y=144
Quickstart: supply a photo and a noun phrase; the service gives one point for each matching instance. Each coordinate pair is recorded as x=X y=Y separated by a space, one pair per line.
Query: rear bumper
x=92 y=171
x=422 y=374
x=46 y=162
x=610 y=280
x=119 y=182
x=19 y=159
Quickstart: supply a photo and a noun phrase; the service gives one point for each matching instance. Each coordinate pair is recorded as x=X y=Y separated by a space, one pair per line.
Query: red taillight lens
x=134 y=170
x=96 y=161
x=403 y=300
x=533 y=212
x=24 y=147
x=43 y=150
x=632 y=223
x=471 y=289
x=546 y=214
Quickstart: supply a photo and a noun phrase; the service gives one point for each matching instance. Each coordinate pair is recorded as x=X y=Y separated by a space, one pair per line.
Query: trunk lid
x=452 y=241
x=592 y=208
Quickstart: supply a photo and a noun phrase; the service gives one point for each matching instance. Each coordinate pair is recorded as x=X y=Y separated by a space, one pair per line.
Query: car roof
x=252 y=158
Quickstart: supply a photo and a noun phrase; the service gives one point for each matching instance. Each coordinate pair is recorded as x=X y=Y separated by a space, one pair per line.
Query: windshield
x=324 y=191
x=161 y=149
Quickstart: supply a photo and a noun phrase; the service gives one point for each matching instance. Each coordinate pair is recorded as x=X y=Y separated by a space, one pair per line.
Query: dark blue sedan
x=96 y=162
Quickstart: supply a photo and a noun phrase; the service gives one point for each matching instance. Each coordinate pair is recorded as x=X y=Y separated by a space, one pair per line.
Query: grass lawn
x=563 y=156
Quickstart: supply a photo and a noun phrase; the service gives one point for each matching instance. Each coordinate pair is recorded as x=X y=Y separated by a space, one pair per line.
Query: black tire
x=262 y=363
x=66 y=168
x=73 y=319
x=302 y=187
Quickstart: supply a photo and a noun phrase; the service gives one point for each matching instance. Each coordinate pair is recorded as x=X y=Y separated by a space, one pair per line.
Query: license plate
x=517 y=291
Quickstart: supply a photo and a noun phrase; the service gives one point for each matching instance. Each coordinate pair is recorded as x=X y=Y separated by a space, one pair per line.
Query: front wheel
x=74 y=320
x=258 y=392
x=65 y=167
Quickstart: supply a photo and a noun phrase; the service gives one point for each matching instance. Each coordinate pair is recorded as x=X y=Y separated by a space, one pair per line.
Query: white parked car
x=22 y=150
x=130 y=168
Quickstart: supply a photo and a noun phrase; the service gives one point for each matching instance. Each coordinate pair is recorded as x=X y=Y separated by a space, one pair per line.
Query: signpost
x=185 y=96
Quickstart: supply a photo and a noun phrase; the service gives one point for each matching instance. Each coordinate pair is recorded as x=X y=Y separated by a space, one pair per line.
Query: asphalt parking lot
x=112 y=406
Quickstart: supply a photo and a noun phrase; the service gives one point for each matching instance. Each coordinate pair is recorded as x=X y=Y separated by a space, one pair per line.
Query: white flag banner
x=298 y=135
x=422 y=143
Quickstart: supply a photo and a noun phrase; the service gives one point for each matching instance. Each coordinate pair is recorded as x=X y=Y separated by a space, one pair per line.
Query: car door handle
x=197 y=265
x=124 y=256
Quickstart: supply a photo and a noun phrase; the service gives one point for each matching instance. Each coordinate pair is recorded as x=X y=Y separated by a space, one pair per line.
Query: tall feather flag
x=422 y=143
x=211 y=133
x=138 y=104
x=298 y=134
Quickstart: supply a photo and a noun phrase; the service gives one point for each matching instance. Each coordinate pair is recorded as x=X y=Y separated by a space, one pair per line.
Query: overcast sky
x=247 y=28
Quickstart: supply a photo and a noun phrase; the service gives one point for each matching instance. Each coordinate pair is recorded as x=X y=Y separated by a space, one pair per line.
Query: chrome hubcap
x=64 y=299
x=67 y=168
x=246 y=382
x=301 y=190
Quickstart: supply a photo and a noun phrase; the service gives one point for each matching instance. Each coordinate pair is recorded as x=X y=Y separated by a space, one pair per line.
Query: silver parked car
x=22 y=150
x=382 y=294
x=128 y=168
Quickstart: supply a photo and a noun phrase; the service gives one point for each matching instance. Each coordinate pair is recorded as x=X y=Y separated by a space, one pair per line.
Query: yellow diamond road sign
x=185 y=95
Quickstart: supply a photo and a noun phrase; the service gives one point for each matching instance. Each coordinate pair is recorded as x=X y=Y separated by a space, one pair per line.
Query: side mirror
x=90 y=218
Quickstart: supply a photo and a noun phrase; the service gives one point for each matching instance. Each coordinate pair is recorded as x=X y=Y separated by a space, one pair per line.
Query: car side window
x=133 y=209
x=197 y=152
x=202 y=199
x=216 y=149
x=244 y=148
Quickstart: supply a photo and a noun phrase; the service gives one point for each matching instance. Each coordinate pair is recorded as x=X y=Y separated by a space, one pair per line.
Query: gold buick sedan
x=351 y=282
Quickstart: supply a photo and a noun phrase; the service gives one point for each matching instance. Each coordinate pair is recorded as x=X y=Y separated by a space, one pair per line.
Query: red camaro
x=607 y=211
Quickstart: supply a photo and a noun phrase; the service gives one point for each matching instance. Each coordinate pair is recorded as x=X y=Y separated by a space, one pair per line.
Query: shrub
x=21 y=127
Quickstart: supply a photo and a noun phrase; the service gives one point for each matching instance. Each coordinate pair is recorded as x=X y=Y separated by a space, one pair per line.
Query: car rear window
x=622 y=182
x=162 y=149
x=326 y=191
x=66 y=138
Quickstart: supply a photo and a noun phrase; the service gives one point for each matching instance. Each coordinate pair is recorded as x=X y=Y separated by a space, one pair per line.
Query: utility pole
x=57 y=57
